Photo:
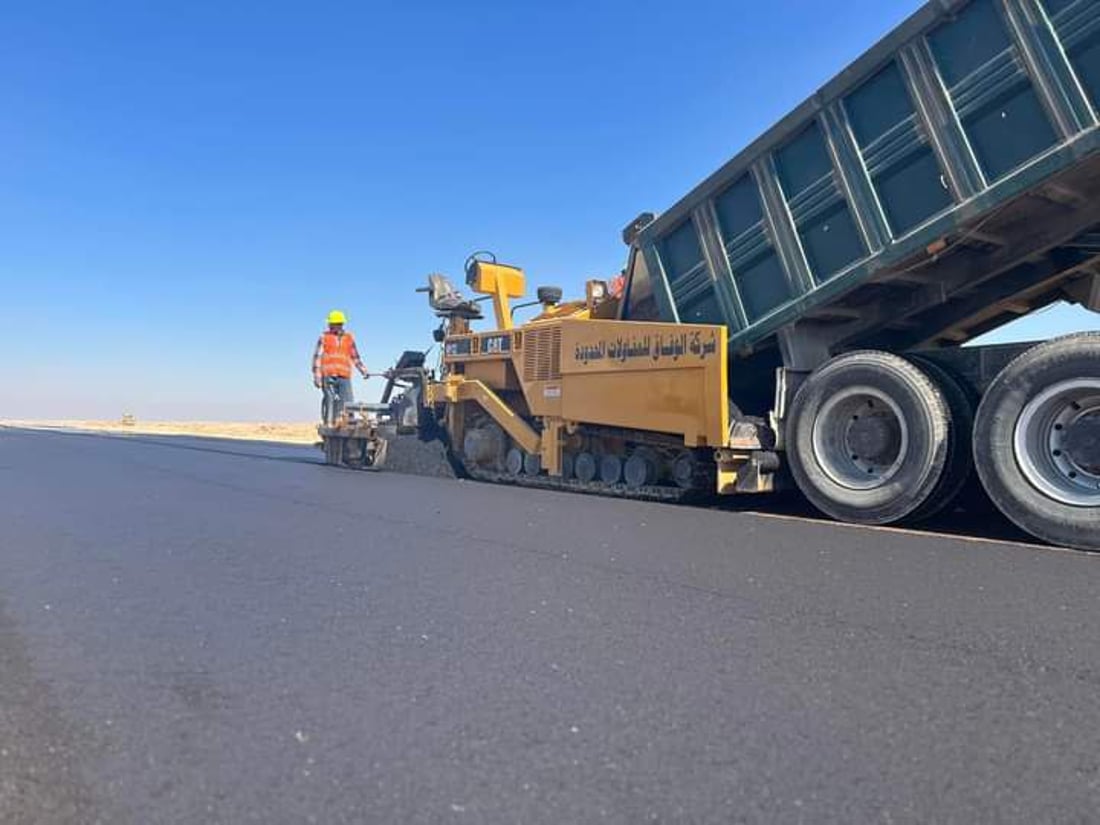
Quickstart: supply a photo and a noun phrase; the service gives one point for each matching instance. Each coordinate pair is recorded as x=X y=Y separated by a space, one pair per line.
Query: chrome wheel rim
x=860 y=438
x=1057 y=442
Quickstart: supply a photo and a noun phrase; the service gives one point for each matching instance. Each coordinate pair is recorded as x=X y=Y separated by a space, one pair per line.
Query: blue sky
x=187 y=188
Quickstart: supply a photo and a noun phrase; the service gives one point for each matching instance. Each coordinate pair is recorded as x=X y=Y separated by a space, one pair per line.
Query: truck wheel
x=1037 y=441
x=960 y=461
x=868 y=438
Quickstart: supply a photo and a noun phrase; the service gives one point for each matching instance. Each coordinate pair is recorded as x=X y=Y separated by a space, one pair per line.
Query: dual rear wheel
x=1037 y=441
x=874 y=438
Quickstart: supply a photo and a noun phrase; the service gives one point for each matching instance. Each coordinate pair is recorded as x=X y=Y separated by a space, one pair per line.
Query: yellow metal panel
x=727 y=481
x=540 y=357
x=544 y=398
x=667 y=378
x=501 y=281
x=500 y=412
x=494 y=374
x=492 y=278
x=434 y=393
x=552 y=446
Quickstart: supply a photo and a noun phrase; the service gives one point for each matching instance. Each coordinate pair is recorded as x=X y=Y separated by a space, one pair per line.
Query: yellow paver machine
x=574 y=398
x=806 y=314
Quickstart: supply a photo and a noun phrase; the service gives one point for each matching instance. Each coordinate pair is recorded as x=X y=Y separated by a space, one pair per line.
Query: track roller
x=611 y=469
x=586 y=467
x=513 y=461
x=685 y=470
x=641 y=468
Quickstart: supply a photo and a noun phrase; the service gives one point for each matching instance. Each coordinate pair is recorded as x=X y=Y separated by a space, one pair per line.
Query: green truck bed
x=944 y=183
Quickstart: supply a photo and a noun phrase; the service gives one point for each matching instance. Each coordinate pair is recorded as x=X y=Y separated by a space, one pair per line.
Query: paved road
x=217 y=633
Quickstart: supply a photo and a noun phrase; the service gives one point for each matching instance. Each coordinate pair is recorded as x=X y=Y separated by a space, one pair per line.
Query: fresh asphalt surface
x=215 y=632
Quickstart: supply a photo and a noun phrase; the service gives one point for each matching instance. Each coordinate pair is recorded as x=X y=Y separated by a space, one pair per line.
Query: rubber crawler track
x=654 y=492
x=671 y=495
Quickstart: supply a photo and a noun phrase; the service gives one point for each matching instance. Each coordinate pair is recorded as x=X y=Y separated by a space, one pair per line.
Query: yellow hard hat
x=337 y=317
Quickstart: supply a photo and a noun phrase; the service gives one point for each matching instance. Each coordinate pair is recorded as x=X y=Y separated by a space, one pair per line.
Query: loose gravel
x=408 y=454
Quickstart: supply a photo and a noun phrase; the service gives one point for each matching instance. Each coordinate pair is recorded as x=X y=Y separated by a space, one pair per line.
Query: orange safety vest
x=336 y=354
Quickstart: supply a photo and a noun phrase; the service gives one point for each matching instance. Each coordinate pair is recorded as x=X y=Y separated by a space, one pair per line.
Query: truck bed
x=943 y=184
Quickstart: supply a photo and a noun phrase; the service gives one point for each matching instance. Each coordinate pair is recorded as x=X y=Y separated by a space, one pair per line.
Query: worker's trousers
x=336 y=393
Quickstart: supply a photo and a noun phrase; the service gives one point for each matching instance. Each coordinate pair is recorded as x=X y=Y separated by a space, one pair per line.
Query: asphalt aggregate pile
x=408 y=454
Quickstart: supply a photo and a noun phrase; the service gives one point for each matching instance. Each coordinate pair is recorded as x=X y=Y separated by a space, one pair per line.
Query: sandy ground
x=285 y=432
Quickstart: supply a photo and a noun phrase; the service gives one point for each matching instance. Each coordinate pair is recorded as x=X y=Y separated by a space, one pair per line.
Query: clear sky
x=187 y=187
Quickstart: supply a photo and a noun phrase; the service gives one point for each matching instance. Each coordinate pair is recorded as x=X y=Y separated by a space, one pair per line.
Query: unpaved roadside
x=283 y=432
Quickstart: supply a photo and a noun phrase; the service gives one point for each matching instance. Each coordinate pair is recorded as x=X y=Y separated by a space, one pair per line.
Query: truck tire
x=960 y=460
x=868 y=438
x=1037 y=441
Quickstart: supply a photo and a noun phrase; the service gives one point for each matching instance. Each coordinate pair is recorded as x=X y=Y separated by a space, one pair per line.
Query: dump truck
x=802 y=316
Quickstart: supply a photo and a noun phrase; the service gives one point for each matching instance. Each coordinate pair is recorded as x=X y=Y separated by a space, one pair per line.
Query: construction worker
x=617 y=284
x=333 y=359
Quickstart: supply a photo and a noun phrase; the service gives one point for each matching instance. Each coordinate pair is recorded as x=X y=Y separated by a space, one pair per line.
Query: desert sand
x=285 y=432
